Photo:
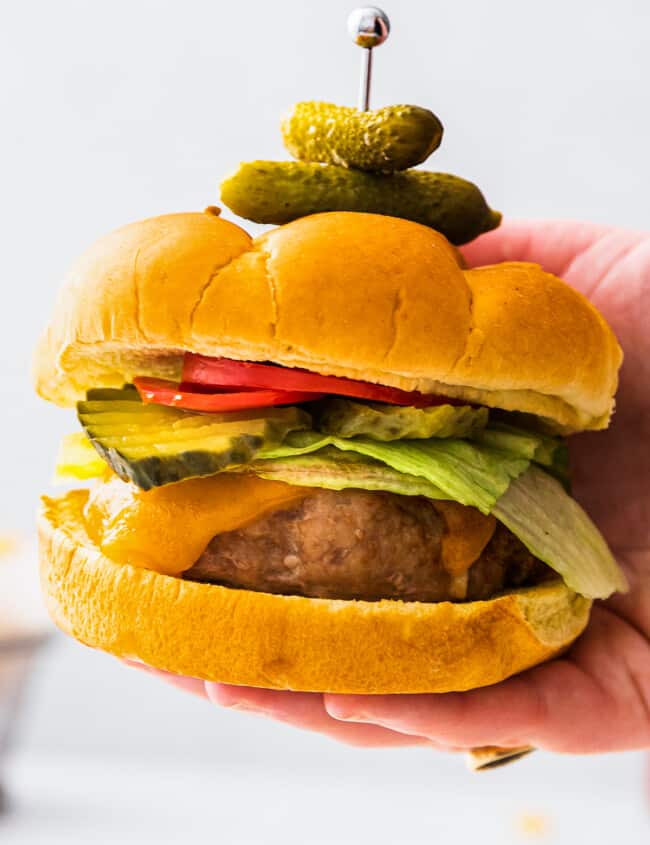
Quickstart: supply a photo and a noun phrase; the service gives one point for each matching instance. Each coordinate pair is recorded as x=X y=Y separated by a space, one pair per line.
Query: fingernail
x=223 y=697
x=217 y=694
x=237 y=705
x=232 y=704
x=343 y=713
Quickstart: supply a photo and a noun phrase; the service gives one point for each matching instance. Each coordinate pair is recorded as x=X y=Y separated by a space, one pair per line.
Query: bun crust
x=358 y=295
x=280 y=642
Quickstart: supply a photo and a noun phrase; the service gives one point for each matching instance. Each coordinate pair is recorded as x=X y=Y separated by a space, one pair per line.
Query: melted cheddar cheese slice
x=167 y=529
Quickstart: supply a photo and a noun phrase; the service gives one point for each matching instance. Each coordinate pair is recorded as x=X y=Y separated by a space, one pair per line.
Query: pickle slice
x=153 y=445
x=281 y=191
x=346 y=418
x=383 y=140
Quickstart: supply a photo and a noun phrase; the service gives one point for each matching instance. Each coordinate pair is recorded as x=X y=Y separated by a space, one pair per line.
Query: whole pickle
x=383 y=140
x=281 y=191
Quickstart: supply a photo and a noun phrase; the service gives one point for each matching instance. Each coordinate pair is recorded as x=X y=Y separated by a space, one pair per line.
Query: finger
x=191 y=685
x=465 y=720
x=554 y=707
x=306 y=710
x=588 y=702
x=554 y=244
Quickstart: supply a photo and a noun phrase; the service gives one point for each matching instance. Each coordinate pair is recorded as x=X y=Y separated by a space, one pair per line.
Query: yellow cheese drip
x=468 y=533
x=167 y=529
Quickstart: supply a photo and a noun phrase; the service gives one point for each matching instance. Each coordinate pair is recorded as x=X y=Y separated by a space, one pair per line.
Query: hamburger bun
x=290 y=642
x=365 y=296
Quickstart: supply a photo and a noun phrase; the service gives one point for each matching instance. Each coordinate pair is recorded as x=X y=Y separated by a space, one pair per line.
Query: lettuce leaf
x=469 y=473
x=555 y=529
x=336 y=470
x=550 y=452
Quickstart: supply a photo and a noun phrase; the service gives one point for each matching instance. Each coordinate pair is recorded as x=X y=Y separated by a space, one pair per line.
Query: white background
x=112 y=111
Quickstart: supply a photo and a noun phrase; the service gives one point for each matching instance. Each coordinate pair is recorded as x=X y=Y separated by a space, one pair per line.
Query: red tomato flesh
x=162 y=392
x=223 y=372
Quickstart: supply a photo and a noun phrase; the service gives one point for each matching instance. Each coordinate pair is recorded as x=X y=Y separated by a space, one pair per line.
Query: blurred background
x=113 y=111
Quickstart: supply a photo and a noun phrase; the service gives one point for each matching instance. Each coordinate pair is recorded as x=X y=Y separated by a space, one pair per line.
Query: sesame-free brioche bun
x=365 y=296
x=290 y=642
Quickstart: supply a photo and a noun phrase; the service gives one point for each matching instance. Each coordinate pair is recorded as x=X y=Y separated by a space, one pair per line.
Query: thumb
x=554 y=244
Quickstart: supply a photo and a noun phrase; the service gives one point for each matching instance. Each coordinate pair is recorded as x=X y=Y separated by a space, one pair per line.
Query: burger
x=330 y=458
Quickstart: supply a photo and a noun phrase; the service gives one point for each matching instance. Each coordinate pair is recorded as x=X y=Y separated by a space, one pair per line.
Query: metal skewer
x=368 y=27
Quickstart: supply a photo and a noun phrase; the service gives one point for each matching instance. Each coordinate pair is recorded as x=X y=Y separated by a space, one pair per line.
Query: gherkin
x=383 y=140
x=280 y=191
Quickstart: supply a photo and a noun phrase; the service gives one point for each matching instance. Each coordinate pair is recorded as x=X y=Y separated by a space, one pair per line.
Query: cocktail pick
x=368 y=27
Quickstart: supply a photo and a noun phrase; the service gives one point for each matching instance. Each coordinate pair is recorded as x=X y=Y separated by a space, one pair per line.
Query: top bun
x=359 y=295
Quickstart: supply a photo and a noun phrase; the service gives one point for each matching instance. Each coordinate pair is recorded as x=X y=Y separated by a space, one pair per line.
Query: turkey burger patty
x=355 y=544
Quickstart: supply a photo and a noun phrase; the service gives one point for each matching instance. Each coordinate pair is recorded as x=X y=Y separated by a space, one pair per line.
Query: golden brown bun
x=258 y=639
x=358 y=295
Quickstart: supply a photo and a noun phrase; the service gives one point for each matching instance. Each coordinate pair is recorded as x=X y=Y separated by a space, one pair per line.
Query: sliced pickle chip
x=378 y=421
x=153 y=445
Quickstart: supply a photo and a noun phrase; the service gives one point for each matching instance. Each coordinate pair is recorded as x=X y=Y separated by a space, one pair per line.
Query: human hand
x=597 y=696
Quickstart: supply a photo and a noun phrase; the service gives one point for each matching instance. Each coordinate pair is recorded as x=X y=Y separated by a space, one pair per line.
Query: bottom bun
x=290 y=642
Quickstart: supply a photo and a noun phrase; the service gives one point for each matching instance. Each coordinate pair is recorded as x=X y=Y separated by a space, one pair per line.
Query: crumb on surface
x=532 y=825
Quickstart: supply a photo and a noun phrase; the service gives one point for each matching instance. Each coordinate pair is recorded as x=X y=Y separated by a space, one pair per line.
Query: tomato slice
x=160 y=392
x=223 y=372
